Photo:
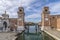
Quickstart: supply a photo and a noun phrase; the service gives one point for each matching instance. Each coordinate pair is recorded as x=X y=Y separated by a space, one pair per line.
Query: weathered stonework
x=58 y=22
x=50 y=20
x=45 y=17
x=53 y=21
x=21 y=16
x=20 y=22
x=6 y=18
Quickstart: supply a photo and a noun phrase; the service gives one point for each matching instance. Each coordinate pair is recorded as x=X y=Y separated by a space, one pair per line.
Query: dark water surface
x=34 y=34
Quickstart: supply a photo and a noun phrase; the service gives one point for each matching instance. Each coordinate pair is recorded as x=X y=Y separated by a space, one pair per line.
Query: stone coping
x=54 y=33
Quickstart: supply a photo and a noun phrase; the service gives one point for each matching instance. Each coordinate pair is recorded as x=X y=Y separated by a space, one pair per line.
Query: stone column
x=42 y=28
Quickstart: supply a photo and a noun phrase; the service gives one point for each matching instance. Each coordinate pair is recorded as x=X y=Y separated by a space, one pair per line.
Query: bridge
x=28 y=24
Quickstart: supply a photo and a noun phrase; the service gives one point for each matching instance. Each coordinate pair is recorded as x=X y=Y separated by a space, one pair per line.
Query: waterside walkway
x=52 y=32
x=9 y=35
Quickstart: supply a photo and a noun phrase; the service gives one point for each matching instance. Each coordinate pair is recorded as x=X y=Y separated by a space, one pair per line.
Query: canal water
x=34 y=34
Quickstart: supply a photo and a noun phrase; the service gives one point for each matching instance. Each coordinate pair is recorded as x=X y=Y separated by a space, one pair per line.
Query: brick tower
x=21 y=17
x=45 y=17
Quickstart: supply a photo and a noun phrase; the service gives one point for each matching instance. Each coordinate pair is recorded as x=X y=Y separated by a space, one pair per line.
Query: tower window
x=46 y=10
x=20 y=10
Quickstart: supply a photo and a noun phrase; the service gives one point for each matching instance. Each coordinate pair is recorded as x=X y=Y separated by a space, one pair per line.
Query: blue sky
x=32 y=8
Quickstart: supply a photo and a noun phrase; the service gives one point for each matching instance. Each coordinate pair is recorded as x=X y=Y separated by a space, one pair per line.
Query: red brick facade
x=13 y=23
x=53 y=20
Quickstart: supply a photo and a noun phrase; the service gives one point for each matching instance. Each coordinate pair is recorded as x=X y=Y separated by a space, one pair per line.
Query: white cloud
x=13 y=4
x=32 y=16
x=54 y=7
x=27 y=2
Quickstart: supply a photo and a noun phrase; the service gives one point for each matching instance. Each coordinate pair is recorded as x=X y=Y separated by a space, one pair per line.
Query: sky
x=32 y=8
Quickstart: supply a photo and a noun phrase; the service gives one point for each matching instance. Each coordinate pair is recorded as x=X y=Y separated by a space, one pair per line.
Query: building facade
x=13 y=23
x=18 y=23
x=4 y=18
x=52 y=21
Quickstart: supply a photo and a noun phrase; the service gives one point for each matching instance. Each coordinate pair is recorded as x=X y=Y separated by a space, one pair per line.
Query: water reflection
x=34 y=34
x=32 y=29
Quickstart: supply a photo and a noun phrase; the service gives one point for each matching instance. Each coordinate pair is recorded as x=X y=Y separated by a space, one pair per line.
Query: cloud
x=10 y=5
x=31 y=7
x=33 y=16
x=27 y=2
x=54 y=7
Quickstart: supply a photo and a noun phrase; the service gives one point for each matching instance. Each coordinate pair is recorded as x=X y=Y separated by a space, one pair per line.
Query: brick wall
x=13 y=23
x=58 y=23
x=53 y=21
